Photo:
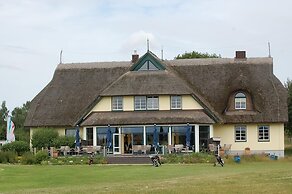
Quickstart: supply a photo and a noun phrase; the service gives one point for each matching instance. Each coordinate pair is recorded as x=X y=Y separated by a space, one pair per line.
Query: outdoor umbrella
x=77 y=138
x=109 y=137
x=155 y=137
x=188 y=136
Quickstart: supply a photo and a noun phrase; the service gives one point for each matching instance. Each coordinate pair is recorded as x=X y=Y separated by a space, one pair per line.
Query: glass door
x=116 y=143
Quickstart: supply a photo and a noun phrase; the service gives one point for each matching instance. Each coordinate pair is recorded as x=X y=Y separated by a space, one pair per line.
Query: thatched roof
x=147 y=83
x=71 y=92
x=144 y=117
x=217 y=79
x=75 y=89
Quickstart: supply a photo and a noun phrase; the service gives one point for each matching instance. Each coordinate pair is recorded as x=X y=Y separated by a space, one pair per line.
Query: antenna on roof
x=162 y=53
x=147 y=45
x=269 y=46
x=61 y=56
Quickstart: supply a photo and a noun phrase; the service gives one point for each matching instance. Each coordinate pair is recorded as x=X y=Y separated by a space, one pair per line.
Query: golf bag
x=155 y=160
x=219 y=160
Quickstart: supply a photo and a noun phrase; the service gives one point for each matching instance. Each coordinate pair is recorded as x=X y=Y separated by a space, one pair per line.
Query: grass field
x=254 y=177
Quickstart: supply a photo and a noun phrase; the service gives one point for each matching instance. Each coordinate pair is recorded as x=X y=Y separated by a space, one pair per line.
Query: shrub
x=8 y=157
x=41 y=156
x=17 y=146
x=288 y=151
x=28 y=158
x=188 y=158
x=64 y=141
x=44 y=137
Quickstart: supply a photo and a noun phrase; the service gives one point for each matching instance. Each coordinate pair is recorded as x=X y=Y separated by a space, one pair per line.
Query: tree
x=3 y=114
x=44 y=137
x=18 y=117
x=288 y=126
x=195 y=54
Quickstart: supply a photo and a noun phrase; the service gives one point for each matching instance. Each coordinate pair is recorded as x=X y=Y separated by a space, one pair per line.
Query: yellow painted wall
x=103 y=105
x=188 y=102
x=227 y=134
x=128 y=103
x=164 y=102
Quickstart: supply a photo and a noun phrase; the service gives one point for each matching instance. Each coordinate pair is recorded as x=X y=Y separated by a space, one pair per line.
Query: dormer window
x=240 y=101
x=148 y=62
x=148 y=65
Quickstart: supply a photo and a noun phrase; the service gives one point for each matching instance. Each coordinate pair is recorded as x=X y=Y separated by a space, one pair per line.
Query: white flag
x=10 y=137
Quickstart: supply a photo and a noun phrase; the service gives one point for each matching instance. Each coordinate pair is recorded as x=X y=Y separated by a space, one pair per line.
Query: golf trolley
x=219 y=160
x=155 y=159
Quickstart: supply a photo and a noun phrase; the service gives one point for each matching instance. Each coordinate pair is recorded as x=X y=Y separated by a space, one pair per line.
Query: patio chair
x=170 y=149
x=178 y=148
x=227 y=148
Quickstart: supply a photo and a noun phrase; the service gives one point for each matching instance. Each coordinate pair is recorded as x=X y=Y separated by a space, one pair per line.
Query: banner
x=10 y=137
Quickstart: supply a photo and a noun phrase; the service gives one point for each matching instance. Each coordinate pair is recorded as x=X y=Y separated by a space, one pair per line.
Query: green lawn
x=254 y=177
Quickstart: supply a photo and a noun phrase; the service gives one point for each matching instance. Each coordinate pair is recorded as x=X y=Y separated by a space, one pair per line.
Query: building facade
x=239 y=100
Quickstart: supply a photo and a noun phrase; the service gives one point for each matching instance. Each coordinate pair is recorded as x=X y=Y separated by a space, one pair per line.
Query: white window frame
x=140 y=103
x=117 y=103
x=152 y=103
x=240 y=100
x=263 y=133
x=176 y=102
x=241 y=132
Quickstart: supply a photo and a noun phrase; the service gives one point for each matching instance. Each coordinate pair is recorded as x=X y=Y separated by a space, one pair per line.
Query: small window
x=152 y=103
x=140 y=102
x=240 y=101
x=240 y=133
x=117 y=103
x=175 y=102
x=70 y=132
x=264 y=133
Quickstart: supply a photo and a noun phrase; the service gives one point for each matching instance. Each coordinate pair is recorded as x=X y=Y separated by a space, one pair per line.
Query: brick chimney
x=240 y=55
x=135 y=57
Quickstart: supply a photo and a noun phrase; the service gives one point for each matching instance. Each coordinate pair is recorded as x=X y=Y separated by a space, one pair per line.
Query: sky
x=33 y=33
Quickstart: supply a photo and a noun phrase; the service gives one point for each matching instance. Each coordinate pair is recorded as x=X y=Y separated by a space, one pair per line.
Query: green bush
x=64 y=141
x=28 y=158
x=8 y=157
x=44 y=137
x=17 y=146
x=41 y=156
x=288 y=151
x=188 y=158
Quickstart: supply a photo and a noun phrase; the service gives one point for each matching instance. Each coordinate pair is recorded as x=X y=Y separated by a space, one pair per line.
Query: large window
x=117 y=103
x=179 y=135
x=240 y=133
x=101 y=133
x=240 y=101
x=175 y=102
x=149 y=103
x=162 y=135
x=89 y=136
x=140 y=102
x=152 y=103
x=136 y=133
x=204 y=135
x=264 y=133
